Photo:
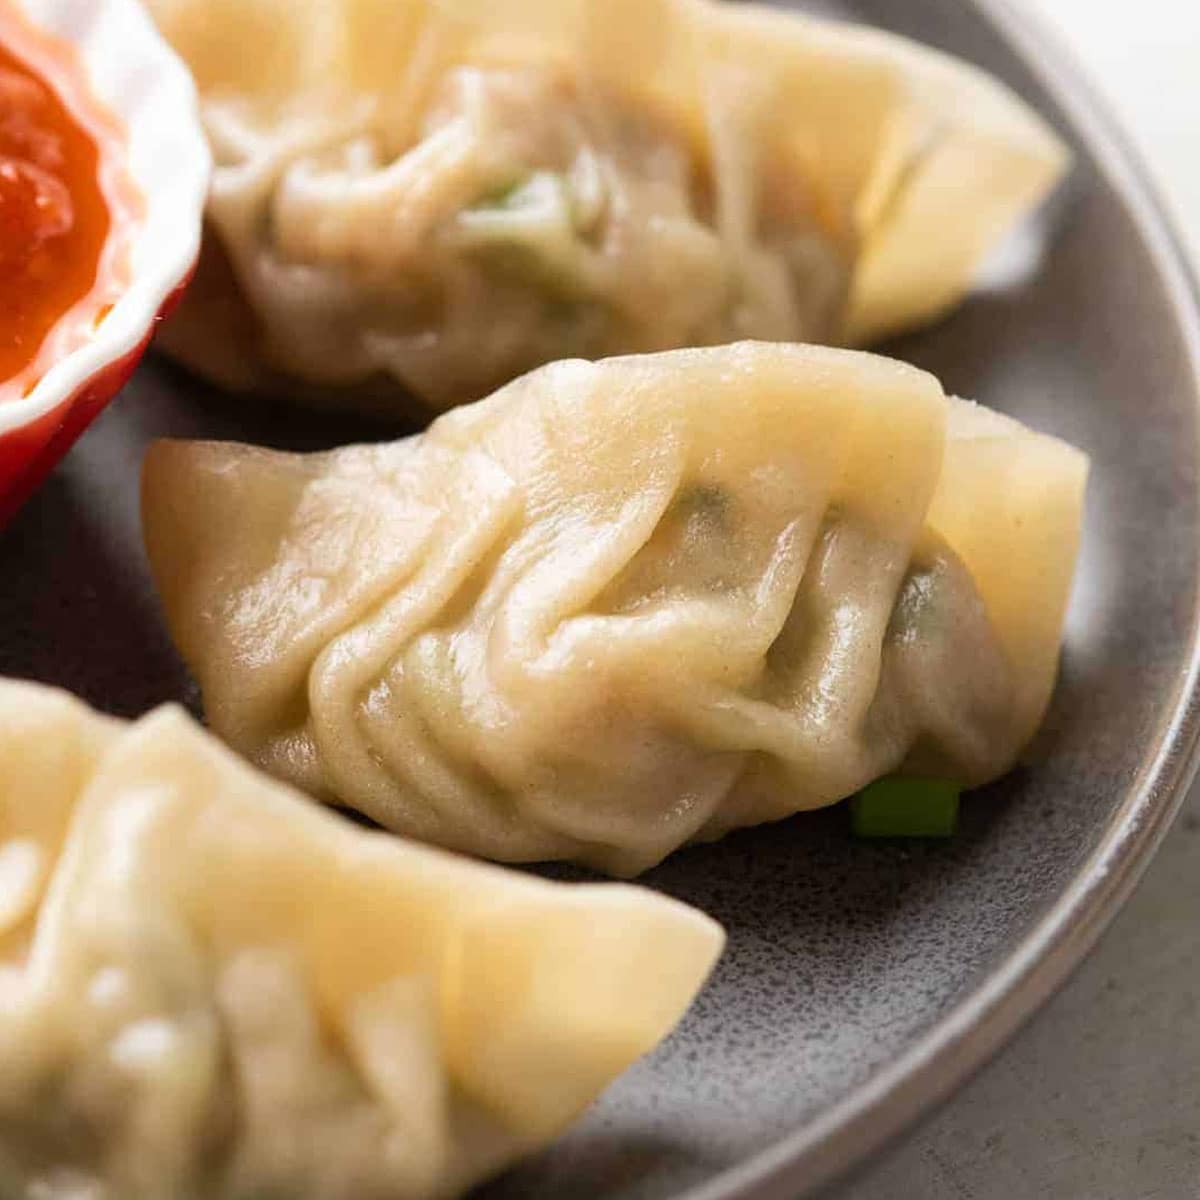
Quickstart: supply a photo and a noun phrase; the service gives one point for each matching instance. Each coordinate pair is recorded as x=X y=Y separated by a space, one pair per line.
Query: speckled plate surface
x=862 y=982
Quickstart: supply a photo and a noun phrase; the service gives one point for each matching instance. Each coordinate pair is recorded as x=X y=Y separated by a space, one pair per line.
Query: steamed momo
x=211 y=989
x=442 y=194
x=620 y=606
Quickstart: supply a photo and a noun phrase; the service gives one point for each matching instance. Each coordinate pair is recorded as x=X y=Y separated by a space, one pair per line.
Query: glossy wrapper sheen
x=431 y=197
x=212 y=989
x=620 y=606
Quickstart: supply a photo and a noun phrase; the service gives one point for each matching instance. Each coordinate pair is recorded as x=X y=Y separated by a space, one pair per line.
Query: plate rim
x=942 y=1060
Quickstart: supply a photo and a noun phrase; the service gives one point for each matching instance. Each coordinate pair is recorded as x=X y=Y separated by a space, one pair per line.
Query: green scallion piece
x=902 y=807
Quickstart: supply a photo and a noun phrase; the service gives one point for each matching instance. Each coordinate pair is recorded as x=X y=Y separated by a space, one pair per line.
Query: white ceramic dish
x=133 y=73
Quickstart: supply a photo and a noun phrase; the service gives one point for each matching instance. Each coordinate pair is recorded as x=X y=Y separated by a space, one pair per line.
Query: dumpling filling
x=422 y=199
x=211 y=989
x=621 y=606
x=534 y=218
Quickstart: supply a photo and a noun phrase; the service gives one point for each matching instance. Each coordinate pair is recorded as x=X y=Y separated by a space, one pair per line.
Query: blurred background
x=1099 y=1098
x=1144 y=56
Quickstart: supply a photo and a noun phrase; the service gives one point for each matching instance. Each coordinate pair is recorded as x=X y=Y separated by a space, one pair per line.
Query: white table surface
x=1099 y=1098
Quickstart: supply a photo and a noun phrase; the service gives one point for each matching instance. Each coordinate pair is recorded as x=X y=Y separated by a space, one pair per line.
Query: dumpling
x=434 y=196
x=211 y=989
x=620 y=606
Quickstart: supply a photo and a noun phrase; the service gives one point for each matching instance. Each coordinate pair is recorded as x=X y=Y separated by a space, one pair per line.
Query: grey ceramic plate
x=862 y=982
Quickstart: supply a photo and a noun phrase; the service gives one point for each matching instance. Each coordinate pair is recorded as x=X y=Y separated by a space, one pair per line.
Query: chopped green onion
x=502 y=197
x=900 y=807
x=709 y=502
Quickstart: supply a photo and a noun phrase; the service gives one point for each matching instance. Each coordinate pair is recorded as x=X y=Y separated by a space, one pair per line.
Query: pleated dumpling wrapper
x=431 y=197
x=623 y=605
x=213 y=989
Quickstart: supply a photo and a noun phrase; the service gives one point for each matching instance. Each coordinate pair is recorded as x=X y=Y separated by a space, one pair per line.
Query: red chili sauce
x=66 y=205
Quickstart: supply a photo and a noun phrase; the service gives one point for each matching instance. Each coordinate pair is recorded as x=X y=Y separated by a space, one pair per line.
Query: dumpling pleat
x=716 y=587
x=223 y=990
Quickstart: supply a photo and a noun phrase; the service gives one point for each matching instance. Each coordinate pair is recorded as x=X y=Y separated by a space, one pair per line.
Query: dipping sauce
x=66 y=205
